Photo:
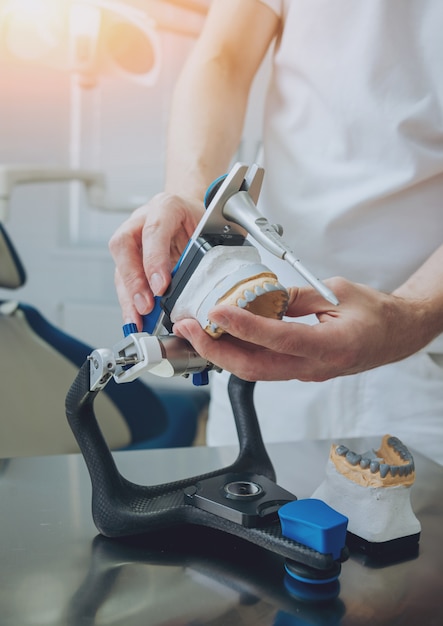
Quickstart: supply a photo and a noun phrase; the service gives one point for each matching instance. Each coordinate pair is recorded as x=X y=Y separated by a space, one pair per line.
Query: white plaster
x=375 y=514
x=218 y=263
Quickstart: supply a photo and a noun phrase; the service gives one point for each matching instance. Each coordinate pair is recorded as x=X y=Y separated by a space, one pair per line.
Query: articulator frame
x=242 y=499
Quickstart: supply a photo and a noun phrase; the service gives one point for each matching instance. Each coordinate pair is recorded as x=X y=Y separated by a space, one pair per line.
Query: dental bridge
x=242 y=499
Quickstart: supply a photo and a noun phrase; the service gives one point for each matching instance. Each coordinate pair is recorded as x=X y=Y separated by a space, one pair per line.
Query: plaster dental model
x=373 y=490
x=234 y=276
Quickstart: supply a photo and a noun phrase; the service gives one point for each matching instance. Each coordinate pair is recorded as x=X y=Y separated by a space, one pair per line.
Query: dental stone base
x=235 y=276
x=376 y=514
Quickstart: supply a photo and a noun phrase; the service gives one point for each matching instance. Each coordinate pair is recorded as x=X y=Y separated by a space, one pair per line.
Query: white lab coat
x=353 y=157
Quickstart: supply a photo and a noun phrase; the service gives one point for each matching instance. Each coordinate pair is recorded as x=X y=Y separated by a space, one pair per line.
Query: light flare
x=84 y=30
x=33 y=28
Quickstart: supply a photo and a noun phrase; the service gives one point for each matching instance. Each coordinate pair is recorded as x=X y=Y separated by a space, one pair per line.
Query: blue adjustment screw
x=128 y=329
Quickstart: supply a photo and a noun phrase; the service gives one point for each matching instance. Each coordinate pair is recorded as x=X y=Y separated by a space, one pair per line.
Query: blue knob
x=201 y=378
x=130 y=328
x=314 y=524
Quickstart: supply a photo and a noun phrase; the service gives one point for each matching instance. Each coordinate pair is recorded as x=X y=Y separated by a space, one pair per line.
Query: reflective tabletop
x=56 y=569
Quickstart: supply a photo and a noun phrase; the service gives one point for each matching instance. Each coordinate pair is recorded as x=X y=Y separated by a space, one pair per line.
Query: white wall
x=62 y=241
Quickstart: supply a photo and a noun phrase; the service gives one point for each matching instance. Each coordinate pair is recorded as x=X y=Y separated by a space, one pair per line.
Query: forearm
x=204 y=130
x=211 y=96
x=422 y=296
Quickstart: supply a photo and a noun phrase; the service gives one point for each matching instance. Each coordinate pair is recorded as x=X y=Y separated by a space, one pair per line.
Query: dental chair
x=37 y=365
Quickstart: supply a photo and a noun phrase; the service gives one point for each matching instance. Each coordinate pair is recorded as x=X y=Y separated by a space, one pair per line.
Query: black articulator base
x=241 y=499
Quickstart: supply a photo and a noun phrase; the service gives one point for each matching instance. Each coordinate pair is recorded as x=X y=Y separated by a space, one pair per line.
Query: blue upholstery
x=138 y=396
x=12 y=272
x=156 y=419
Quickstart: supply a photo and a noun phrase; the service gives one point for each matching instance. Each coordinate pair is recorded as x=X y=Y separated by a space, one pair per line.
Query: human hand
x=146 y=248
x=369 y=328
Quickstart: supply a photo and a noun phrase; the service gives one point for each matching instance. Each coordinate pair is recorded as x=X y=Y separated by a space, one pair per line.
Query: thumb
x=306 y=301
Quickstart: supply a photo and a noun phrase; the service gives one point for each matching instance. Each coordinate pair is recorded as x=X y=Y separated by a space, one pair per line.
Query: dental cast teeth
x=234 y=276
x=265 y=298
x=259 y=290
x=372 y=490
x=391 y=464
x=375 y=463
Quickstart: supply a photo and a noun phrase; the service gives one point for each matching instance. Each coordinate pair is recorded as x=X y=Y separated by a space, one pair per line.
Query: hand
x=367 y=329
x=146 y=248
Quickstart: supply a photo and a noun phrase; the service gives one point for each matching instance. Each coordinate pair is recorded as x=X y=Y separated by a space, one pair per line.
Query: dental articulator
x=242 y=499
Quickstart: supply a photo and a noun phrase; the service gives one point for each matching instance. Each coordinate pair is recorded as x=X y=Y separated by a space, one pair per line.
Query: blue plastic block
x=314 y=524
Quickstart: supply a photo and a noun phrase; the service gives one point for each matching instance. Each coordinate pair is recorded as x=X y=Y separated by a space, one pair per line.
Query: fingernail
x=180 y=330
x=220 y=320
x=141 y=304
x=129 y=319
x=156 y=283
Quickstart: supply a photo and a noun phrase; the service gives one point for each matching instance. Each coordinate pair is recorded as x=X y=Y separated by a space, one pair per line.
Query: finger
x=157 y=265
x=165 y=234
x=293 y=338
x=125 y=247
x=129 y=312
x=307 y=301
x=163 y=244
x=247 y=361
x=156 y=241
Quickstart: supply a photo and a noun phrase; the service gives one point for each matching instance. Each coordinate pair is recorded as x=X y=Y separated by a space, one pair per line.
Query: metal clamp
x=164 y=356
